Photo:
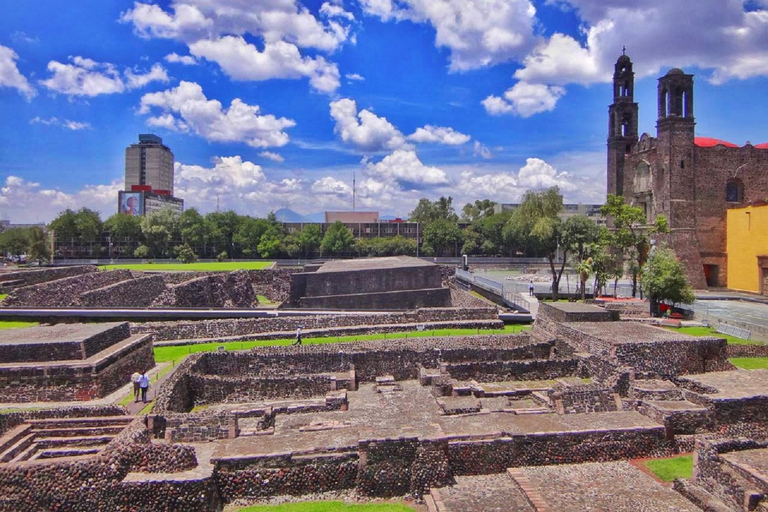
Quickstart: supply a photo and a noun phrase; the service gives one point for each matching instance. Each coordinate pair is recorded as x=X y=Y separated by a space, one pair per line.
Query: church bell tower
x=622 y=123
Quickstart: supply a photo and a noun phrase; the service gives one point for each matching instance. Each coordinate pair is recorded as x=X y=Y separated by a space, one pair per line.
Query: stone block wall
x=273 y=283
x=30 y=277
x=584 y=399
x=477 y=457
x=106 y=338
x=746 y=350
x=725 y=481
x=8 y=420
x=133 y=293
x=75 y=382
x=500 y=371
x=230 y=290
x=668 y=359
x=409 y=299
x=213 y=389
x=63 y=292
x=257 y=477
x=243 y=326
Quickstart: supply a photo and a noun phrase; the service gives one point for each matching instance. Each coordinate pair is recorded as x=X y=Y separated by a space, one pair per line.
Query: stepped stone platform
x=485 y=493
x=70 y=362
x=399 y=282
x=614 y=486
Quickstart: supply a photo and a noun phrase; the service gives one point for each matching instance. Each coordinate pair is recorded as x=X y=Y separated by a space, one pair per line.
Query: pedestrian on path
x=144 y=385
x=136 y=389
x=530 y=288
x=298 y=336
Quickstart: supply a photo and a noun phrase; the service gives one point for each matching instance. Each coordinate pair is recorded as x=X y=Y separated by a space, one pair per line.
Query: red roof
x=764 y=145
x=708 y=142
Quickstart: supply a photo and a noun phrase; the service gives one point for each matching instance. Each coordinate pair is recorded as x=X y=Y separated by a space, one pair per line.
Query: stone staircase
x=485 y=493
x=60 y=437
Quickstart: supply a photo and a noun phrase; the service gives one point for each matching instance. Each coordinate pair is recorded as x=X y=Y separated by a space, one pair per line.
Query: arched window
x=734 y=191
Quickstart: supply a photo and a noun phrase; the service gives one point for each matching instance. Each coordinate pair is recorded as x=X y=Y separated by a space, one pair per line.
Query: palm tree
x=584 y=269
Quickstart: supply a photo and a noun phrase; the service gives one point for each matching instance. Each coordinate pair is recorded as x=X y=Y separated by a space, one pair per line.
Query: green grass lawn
x=3 y=295
x=328 y=506
x=224 y=266
x=669 y=469
x=15 y=325
x=263 y=299
x=708 y=331
x=176 y=353
x=750 y=363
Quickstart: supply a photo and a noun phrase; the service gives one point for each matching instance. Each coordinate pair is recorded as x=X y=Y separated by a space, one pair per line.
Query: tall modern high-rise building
x=148 y=178
x=150 y=162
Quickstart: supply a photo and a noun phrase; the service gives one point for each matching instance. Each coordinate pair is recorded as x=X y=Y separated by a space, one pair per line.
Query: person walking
x=530 y=288
x=136 y=389
x=298 y=336
x=144 y=385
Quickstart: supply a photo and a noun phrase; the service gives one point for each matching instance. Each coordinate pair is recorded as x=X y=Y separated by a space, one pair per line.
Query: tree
x=15 y=241
x=338 y=239
x=39 y=245
x=581 y=238
x=249 y=234
x=160 y=227
x=427 y=211
x=222 y=228
x=192 y=229
x=123 y=230
x=442 y=236
x=64 y=226
x=271 y=241
x=664 y=280
x=185 y=254
x=310 y=238
x=481 y=208
x=88 y=225
x=631 y=233
x=535 y=226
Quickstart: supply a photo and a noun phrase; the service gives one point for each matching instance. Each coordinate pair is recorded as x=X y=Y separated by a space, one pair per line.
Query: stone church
x=691 y=180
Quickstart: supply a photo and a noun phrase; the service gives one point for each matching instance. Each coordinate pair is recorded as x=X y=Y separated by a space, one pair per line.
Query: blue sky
x=275 y=103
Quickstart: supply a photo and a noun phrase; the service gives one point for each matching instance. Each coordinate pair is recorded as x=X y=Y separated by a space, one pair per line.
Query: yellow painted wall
x=747 y=238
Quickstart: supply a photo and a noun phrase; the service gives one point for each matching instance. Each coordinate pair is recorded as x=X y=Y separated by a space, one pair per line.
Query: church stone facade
x=690 y=180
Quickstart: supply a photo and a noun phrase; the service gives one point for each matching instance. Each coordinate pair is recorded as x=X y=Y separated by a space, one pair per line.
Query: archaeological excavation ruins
x=542 y=420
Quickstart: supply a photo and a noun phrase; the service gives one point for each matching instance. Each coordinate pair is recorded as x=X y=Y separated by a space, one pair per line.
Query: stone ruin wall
x=65 y=382
x=139 y=292
x=716 y=477
x=8 y=420
x=30 y=277
x=84 y=286
x=181 y=330
x=61 y=485
x=63 y=292
x=223 y=290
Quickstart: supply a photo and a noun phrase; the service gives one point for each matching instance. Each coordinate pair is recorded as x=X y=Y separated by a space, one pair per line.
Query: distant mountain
x=288 y=215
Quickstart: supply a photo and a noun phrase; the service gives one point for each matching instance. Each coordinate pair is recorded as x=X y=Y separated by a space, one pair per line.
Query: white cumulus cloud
x=243 y=61
x=269 y=155
x=86 y=77
x=538 y=174
x=405 y=168
x=64 y=123
x=186 y=108
x=525 y=100
x=187 y=60
x=10 y=75
x=440 y=135
x=478 y=33
x=364 y=130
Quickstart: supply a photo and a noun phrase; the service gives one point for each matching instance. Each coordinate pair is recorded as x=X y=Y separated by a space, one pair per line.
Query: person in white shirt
x=136 y=389
x=298 y=336
x=144 y=385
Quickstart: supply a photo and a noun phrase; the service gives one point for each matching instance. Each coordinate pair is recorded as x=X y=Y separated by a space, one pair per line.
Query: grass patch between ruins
x=15 y=325
x=175 y=354
x=3 y=295
x=223 y=266
x=669 y=469
x=750 y=363
x=708 y=331
x=329 y=506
